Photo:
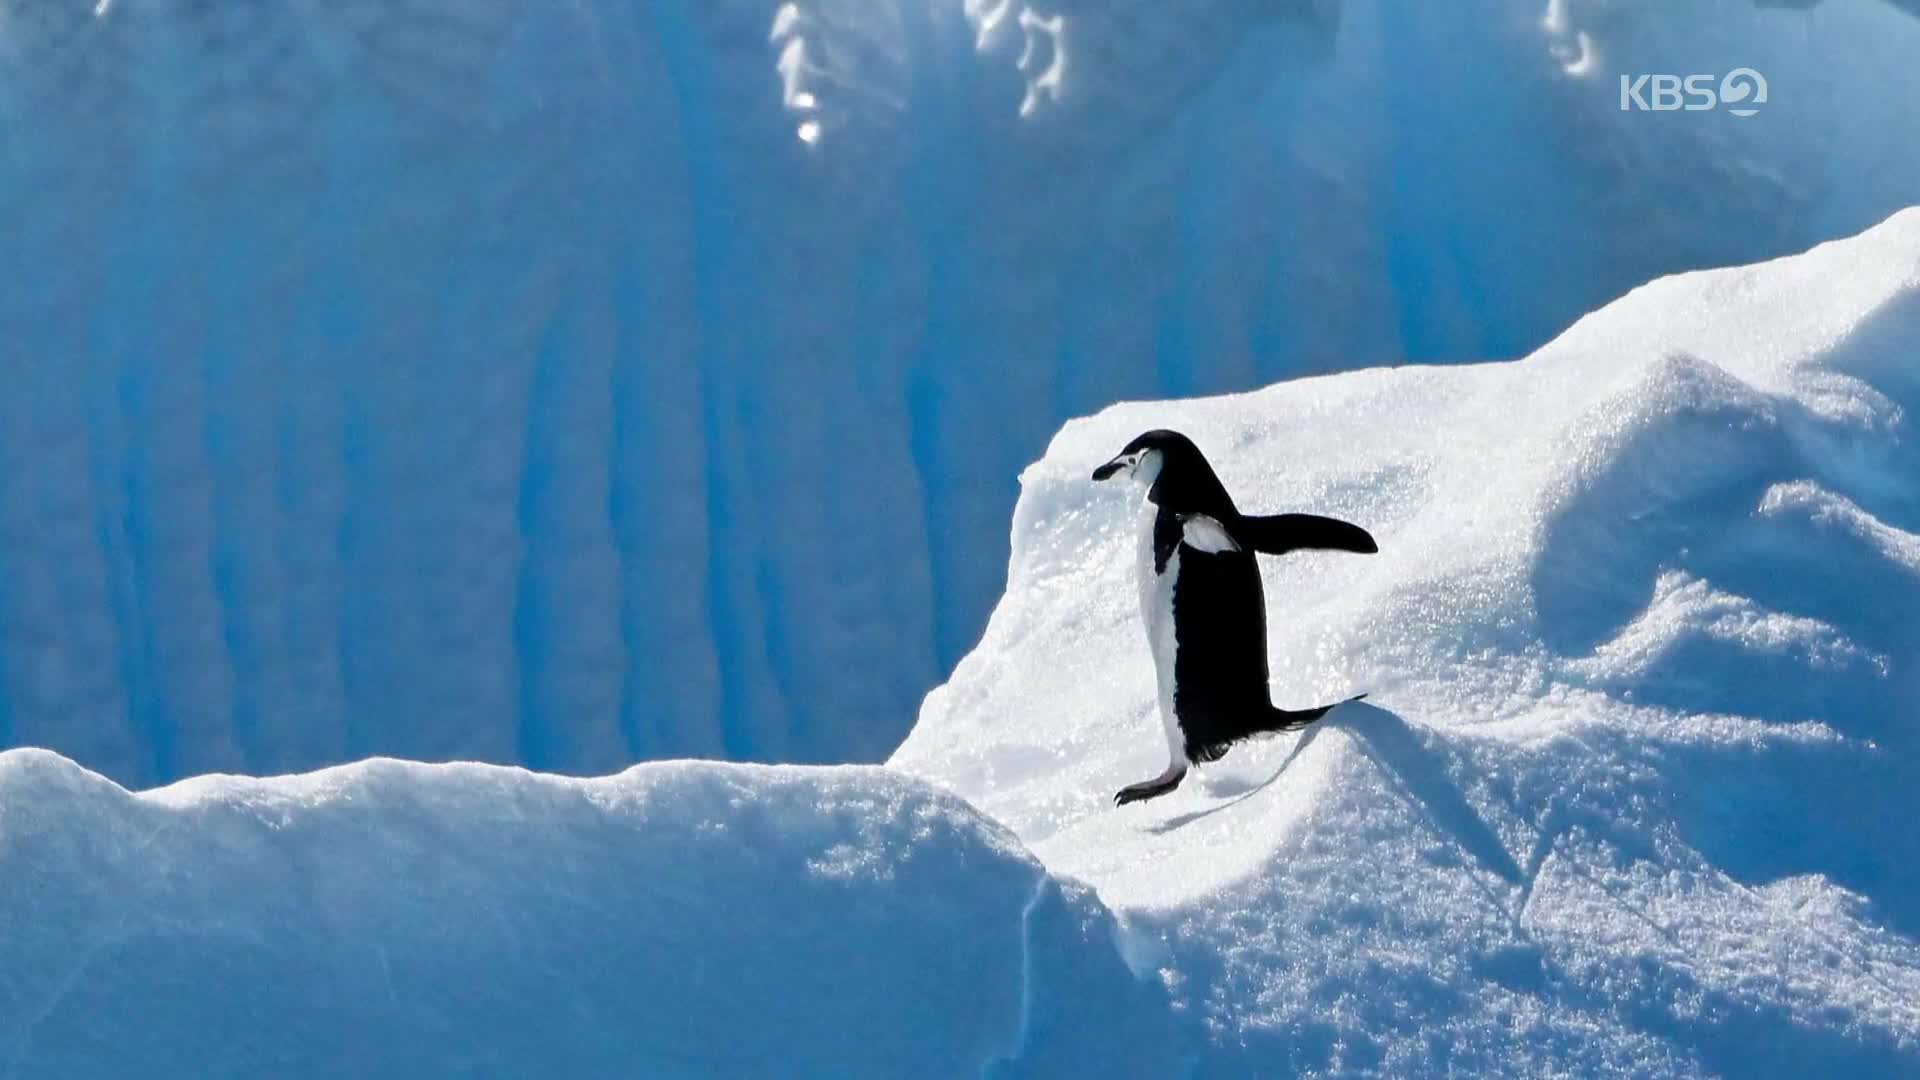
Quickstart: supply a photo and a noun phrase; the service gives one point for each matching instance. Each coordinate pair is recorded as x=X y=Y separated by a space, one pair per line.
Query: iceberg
x=575 y=384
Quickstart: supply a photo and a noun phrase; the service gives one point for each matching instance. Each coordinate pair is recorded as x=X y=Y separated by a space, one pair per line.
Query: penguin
x=1202 y=603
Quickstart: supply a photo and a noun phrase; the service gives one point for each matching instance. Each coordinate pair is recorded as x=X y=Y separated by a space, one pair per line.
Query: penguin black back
x=1220 y=668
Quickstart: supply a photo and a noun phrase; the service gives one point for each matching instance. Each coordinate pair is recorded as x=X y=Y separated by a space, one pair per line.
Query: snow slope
x=568 y=384
x=679 y=919
x=1630 y=794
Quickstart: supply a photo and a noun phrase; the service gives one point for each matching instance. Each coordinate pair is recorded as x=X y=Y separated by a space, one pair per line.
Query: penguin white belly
x=1156 y=611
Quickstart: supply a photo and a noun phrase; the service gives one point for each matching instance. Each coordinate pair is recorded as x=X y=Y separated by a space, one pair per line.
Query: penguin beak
x=1111 y=468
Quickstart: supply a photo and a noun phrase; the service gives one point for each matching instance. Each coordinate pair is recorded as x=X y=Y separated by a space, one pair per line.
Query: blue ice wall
x=569 y=384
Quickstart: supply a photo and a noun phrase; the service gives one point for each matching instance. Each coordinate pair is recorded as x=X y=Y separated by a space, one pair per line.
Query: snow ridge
x=390 y=919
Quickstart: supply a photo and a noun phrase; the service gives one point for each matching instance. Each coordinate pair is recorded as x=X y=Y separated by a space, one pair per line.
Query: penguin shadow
x=1411 y=764
x=1179 y=820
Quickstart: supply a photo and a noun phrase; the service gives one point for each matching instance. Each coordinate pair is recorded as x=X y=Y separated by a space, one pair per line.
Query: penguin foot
x=1149 y=789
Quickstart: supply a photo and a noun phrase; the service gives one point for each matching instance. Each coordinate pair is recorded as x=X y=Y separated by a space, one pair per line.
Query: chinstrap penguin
x=1201 y=599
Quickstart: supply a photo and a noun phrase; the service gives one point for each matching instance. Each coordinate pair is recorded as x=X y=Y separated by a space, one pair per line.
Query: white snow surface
x=1630 y=793
x=1631 y=796
x=397 y=919
x=570 y=384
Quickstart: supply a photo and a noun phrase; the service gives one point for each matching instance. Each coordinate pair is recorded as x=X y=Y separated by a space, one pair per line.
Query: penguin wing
x=1277 y=534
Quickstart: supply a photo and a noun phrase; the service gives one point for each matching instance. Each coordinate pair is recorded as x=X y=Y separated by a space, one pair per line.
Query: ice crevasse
x=568 y=385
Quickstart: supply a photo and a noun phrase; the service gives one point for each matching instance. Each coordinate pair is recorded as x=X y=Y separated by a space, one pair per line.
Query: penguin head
x=1141 y=460
x=1172 y=469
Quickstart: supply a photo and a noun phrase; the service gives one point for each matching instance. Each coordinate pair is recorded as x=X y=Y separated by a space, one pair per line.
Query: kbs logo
x=1741 y=92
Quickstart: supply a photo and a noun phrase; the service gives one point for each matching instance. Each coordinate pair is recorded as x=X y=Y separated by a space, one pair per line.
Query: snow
x=574 y=384
x=1642 y=675
x=397 y=919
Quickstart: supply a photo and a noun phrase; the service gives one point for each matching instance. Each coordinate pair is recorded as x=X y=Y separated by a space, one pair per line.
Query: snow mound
x=1627 y=795
x=396 y=919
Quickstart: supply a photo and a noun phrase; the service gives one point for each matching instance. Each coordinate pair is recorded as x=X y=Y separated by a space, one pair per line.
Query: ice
x=1625 y=797
x=572 y=384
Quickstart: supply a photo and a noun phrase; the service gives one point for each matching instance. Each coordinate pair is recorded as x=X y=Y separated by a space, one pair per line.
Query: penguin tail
x=1280 y=720
x=1272 y=722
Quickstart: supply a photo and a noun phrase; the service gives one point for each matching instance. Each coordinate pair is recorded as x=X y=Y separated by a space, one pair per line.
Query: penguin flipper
x=1277 y=534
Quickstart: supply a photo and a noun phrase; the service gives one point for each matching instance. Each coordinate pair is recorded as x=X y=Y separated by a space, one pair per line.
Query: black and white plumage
x=1203 y=605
